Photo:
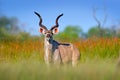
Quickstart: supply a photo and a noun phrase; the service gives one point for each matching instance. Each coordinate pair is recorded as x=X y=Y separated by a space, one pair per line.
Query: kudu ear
x=42 y=30
x=55 y=30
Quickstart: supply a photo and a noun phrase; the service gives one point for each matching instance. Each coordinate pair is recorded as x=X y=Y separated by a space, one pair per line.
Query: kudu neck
x=48 y=42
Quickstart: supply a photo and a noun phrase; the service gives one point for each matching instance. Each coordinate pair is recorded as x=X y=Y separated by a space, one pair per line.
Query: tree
x=95 y=32
x=8 y=26
x=70 y=33
x=100 y=24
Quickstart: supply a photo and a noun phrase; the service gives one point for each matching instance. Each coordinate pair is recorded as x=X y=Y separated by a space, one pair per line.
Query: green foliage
x=10 y=30
x=24 y=36
x=9 y=24
x=8 y=27
x=96 y=32
x=109 y=33
x=70 y=33
x=4 y=22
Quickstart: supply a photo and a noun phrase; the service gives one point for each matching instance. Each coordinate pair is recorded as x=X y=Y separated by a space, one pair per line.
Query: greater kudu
x=55 y=52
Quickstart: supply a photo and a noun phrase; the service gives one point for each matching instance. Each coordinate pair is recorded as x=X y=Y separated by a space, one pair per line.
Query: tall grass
x=17 y=50
x=24 y=61
x=99 y=48
x=31 y=70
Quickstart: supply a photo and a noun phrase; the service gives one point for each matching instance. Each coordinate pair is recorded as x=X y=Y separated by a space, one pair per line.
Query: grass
x=24 y=61
x=34 y=70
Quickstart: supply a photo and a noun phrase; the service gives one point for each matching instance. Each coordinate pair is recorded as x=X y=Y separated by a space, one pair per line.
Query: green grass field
x=24 y=61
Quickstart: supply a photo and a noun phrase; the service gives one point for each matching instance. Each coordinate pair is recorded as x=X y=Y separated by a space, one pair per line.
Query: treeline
x=10 y=30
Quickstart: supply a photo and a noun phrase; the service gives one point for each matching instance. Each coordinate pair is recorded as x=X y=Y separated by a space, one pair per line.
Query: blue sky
x=76 y=12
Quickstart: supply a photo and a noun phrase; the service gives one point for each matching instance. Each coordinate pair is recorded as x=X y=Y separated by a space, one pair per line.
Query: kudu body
x=55 y=52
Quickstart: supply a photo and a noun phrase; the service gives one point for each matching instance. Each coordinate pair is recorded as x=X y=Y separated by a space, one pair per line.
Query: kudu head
x=43 y=29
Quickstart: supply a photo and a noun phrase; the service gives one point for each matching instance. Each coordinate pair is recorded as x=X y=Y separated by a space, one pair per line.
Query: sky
x=76 y=12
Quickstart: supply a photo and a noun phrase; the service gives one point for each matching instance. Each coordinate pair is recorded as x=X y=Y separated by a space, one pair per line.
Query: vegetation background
x=22 y=53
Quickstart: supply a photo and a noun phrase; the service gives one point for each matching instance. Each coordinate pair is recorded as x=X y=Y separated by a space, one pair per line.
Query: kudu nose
x=48 y=35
